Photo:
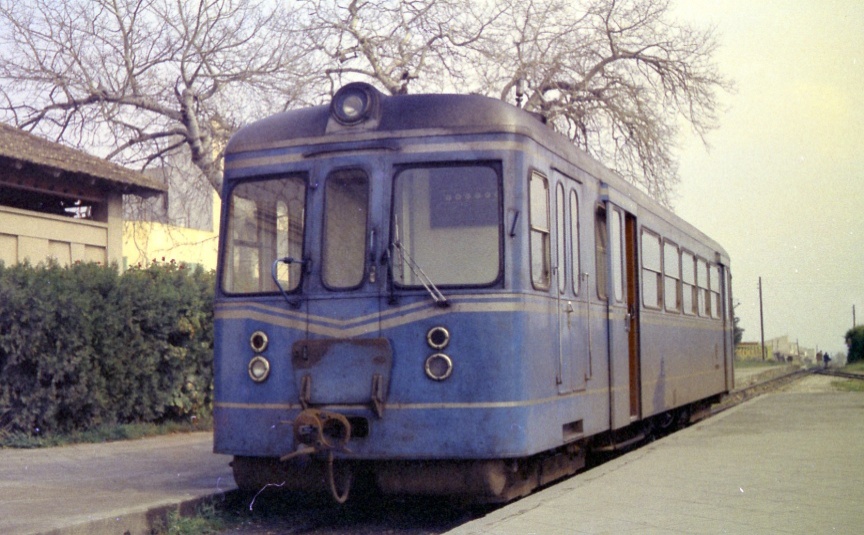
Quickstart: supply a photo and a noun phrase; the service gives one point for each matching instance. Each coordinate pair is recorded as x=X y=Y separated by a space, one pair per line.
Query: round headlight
x=354 y=103
x=438 y=337
x=258 y=341
x=439 y=366
x=259 y=369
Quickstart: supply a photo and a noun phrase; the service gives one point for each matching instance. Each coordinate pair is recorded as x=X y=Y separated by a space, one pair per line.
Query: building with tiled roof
x=58 y=202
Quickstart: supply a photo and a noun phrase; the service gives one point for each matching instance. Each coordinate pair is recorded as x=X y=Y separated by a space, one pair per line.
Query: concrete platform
x=782 y=462
x=113 y=488
x=787 y=462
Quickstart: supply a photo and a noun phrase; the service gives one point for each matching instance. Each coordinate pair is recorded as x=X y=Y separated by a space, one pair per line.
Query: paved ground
x=106 y=488
x=787 y=462
x=783 y=463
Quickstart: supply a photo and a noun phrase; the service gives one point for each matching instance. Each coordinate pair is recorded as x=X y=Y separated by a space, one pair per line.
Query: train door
x=343 y=359
x=572 y=325
x=623 y=317
x=348 y=241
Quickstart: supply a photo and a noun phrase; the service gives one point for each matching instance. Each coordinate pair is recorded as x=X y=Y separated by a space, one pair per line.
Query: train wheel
x=665 y=423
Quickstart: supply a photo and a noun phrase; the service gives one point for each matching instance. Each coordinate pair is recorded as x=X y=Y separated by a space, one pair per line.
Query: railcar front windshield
x=447 y=220
x=265 y=222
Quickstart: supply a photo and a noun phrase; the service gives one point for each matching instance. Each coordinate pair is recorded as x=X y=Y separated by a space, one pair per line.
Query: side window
x=672 y=274
x=617 y=256
x=575 y=264
x=688 y=283
x=702 y=283
x=651 y=270
x=540 y=261
x=560 y=204
x=714 y=286
x=601 y=237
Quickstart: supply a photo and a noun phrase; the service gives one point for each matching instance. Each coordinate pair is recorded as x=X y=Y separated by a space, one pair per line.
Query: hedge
x=855 y=343
x=83 y=346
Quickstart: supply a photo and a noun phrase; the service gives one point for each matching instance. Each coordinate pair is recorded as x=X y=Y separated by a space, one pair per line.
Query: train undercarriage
x=480 y=481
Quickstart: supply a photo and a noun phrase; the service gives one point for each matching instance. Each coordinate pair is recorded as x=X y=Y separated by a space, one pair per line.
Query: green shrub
x=855 y=343
x=82 y=346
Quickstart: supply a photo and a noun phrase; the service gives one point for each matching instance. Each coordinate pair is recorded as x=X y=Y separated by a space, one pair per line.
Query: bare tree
x=152 y=77
x=617 y=77
x=148 y=78
x=395 y=42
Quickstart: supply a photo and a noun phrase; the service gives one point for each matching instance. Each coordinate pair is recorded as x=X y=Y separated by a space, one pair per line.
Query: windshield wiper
x=295 y=303
x=418 y=272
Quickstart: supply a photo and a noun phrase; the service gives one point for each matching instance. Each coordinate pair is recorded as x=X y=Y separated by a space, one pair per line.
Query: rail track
x=839 y=373
x=762 y=387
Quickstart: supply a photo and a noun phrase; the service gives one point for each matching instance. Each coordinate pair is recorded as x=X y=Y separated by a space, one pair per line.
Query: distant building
x=750 y=351
x=779 y=349
x=782 y=348
x=58 y=202
x=181 y=225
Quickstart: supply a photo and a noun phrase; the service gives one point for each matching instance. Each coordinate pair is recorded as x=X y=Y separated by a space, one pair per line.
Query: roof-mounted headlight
x=354 y=103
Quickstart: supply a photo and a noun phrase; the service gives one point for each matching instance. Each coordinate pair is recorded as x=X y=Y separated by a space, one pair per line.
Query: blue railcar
x=442 y=295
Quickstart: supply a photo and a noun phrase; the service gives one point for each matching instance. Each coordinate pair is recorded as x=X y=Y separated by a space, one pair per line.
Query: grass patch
x=105 y=433
x=855 y=367
x=849 y=385
x=205 y=521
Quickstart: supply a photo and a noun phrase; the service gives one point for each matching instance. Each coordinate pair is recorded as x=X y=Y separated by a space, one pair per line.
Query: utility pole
x=761 y=320
x=853 y=317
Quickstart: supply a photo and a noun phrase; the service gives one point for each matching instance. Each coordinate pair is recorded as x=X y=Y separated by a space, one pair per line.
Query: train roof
x=429 y=114
x=452 y=113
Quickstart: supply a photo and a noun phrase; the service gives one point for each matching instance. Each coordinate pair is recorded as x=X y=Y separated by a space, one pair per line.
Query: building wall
x=146 y=241
x=36 y=237
x=750 y=351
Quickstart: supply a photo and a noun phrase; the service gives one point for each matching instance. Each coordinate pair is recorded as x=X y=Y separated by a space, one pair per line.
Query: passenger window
x=601 y=261
x=714 y=283
x=651 y=270
x=617 y=256
x=702 y=283
x=540 y=253
x=346 y=205
x=688 y=283
x=574 y=242
x=561 y=271
x=672 y=274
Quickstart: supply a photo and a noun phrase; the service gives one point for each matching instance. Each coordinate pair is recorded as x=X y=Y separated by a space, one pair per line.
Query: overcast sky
x=782 y=185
